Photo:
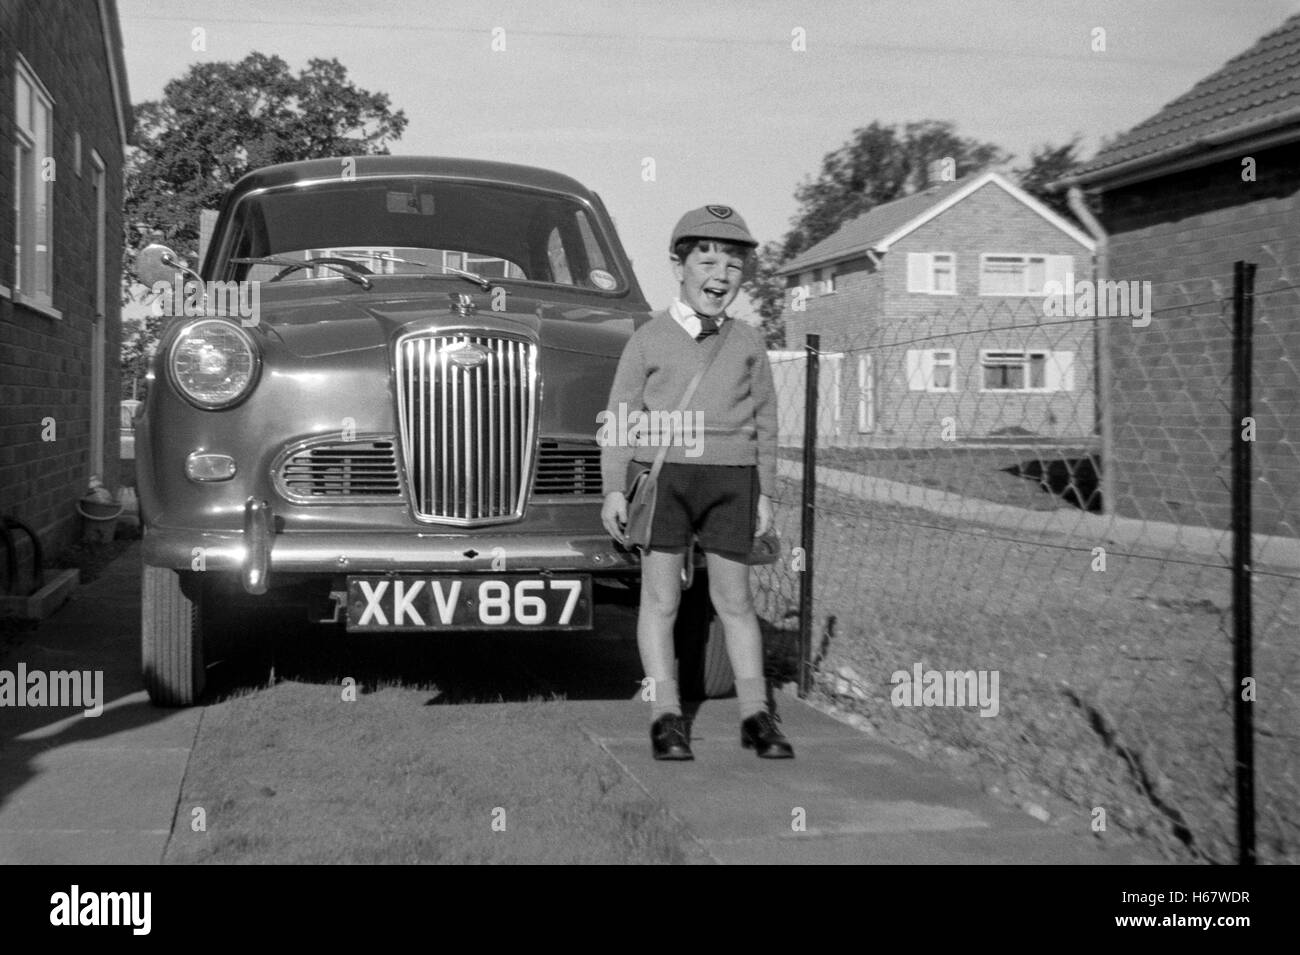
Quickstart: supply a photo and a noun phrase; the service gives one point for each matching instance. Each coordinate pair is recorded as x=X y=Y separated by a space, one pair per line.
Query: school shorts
x=718 y=503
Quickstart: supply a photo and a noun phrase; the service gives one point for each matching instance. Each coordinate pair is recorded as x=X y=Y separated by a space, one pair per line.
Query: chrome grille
x=468 y=433
x=341 y=469
x=567 y=468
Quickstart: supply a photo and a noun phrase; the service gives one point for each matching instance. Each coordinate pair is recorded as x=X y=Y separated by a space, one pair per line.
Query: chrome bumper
x=258 y=553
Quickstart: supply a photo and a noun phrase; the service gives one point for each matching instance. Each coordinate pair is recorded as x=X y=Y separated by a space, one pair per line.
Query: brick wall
x=45 y=363
x=1172 y=383
x=873 y=313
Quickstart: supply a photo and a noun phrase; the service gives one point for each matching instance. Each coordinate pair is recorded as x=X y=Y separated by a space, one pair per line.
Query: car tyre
x=703 y=666
x=171 y=639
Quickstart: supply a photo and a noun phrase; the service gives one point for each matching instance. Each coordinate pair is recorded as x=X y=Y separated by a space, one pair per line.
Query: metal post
x=808 y=514
x=1243 y=306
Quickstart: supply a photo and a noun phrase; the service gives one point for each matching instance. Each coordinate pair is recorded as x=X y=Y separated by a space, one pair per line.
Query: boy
x=722 y=491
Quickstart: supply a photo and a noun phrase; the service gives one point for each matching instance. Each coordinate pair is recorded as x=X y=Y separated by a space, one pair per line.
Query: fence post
x=807 y=512
x=1243 y=306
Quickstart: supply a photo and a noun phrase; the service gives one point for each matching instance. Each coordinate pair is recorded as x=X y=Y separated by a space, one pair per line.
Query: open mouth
x=714 y=296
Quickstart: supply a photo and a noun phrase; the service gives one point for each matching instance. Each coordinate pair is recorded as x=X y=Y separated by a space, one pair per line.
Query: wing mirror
x=157 y=263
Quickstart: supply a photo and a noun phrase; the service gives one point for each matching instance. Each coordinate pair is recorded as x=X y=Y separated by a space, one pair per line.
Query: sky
x=716 y=93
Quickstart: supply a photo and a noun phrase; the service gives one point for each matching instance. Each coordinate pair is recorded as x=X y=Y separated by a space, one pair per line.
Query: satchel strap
x=687 y=395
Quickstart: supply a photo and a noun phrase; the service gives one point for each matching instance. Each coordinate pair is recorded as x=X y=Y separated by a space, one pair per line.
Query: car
x=376 y=401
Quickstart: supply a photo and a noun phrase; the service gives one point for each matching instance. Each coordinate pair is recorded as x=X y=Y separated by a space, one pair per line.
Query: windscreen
x=499 y=232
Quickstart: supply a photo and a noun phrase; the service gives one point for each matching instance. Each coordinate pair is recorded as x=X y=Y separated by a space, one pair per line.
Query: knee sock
x=665 y=700
x=752 y=694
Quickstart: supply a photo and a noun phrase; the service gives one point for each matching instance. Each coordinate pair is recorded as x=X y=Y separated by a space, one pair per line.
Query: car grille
x=567 y=468
x=341 y=469
x=468 y=433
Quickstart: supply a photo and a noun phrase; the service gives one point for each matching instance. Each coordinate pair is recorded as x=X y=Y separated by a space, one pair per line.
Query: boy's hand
x=613 y=514
x=764 y=515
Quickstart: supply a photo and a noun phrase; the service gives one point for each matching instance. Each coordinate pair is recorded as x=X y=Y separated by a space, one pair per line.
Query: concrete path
x=87 y=790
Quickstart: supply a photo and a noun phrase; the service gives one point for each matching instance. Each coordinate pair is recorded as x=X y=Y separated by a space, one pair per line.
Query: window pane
x=595 y=257
x=1004 y=375
x=942 y=376
x=42 y=277
x=23 y=102
x=1038 y=371
x=1002 y=275
x=559 y=261
x=943 y=274
x=1035 y=276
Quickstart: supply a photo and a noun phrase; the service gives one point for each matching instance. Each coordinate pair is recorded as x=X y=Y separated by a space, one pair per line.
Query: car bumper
x=258 y=553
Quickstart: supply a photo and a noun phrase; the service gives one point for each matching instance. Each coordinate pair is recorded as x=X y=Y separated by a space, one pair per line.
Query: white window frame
x=924 y=360
x=33 y=282
x=913 y=262
x=1058 y=370
x=1054 y=269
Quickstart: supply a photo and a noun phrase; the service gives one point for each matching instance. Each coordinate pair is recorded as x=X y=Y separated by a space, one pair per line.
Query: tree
x=767 y=293
x=1048 y=164
x=877 y=164
x=220 y=120
x=215 y=123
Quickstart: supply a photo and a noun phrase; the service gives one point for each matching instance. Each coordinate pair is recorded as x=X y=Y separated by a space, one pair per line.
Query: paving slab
x=844 y=798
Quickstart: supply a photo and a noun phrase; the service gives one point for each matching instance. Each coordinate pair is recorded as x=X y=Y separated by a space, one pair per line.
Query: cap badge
x=722 y=212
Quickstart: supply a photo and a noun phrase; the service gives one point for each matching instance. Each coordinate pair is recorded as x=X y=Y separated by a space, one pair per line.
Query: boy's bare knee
x=731 y=605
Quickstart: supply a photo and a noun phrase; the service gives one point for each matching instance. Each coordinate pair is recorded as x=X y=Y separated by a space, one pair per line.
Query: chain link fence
x=1023 y=553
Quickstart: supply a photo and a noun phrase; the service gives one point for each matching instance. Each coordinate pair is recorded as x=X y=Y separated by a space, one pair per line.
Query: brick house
x=1212 y=178
x=64 y=126
x=931 y=310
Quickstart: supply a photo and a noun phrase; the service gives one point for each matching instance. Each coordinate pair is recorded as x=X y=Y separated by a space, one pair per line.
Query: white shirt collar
x=685 y=316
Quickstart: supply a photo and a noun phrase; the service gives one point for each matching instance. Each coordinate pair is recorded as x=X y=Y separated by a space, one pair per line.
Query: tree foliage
x=879 y=164
x=219 y=120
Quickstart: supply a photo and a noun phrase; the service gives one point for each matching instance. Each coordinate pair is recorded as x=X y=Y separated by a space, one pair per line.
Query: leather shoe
x=670 y=737
x=760 y=734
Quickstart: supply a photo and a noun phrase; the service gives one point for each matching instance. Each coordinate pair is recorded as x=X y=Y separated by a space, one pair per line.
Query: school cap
x=712 y=222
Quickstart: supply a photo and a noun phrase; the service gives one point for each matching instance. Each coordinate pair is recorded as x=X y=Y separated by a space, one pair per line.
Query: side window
x=33 y=189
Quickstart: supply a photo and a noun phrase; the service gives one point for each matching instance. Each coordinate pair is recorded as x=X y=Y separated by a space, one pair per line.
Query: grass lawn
x=293 y=774
x=1038 y=479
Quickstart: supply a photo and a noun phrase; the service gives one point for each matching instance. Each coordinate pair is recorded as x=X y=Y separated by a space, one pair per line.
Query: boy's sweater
x=734 y=406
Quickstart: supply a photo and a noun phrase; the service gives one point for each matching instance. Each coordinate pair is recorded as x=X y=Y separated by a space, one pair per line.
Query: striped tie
x=708 y=326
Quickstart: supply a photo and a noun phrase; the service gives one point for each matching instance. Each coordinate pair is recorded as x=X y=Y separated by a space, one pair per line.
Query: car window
x=500 y=232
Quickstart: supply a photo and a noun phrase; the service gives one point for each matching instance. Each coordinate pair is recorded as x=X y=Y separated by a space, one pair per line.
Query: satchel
x=643 y=488
x=641 y=494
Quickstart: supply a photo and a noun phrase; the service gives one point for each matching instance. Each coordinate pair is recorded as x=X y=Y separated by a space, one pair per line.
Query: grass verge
x=292 y=774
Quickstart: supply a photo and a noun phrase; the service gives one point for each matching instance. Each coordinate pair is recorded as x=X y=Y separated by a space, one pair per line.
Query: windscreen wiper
x=483 y=283
x=352 y=271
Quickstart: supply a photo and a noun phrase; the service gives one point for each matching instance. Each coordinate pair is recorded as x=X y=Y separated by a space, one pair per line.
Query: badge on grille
x=465 y=354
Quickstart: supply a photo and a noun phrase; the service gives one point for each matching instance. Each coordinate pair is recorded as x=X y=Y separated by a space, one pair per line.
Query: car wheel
x=172 y=639
x=703 y=666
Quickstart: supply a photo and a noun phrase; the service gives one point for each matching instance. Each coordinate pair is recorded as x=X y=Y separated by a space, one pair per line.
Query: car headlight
x=214 y=363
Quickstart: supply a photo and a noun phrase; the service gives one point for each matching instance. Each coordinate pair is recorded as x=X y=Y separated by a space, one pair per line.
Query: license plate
x=499 y=602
